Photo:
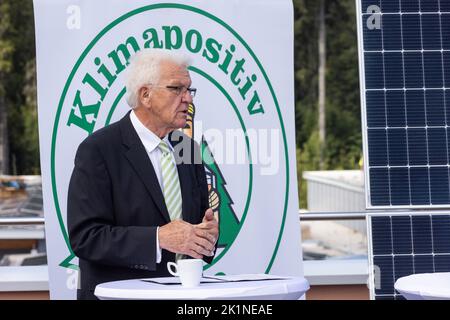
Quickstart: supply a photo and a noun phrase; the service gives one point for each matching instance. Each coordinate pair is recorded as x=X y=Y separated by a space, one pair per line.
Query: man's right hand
x=182 y=237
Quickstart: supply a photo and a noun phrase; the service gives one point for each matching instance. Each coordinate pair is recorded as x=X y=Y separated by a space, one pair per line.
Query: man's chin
x=180 y=123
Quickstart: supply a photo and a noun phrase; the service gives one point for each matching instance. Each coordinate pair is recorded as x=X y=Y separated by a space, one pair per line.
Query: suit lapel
x=138 y=158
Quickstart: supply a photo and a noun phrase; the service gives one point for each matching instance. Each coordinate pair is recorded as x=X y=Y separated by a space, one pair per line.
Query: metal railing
x=312 y=216
x=21 y=221
x=317 y=216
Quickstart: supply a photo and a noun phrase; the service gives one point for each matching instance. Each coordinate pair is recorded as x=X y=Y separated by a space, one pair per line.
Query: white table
x=285 y=289
x=425 y=286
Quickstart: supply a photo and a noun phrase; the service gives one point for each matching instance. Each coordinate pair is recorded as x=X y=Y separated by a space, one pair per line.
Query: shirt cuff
x=158 y=249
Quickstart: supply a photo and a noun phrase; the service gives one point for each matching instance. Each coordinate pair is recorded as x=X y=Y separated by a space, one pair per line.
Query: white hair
x=144 y=69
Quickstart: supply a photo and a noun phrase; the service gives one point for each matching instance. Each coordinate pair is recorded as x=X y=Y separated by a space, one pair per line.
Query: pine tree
x=228 y=221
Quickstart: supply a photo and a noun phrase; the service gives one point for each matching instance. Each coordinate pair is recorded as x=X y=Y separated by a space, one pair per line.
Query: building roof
x=21 y=196
x=352 y=180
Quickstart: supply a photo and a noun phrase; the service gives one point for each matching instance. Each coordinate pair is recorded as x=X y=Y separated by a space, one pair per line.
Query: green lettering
x=103 y=70
x=243 y=91
x=198 y=43
x=252 y=104
x=125 y=53
x=82 y=122
x=213 y=48
x=168 y=36
x=88 y=79
x=153 y=41
x=237 y=69
x=226 y=63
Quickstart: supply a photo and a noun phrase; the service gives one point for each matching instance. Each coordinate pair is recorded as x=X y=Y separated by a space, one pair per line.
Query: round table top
x=425 y=286
x=279 y=289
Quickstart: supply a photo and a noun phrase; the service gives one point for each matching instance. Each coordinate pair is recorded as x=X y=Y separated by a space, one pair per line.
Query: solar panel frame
x=428 y=171
x=423 y=247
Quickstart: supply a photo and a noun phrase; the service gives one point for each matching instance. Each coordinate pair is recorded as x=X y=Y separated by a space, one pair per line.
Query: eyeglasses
x=180 y=90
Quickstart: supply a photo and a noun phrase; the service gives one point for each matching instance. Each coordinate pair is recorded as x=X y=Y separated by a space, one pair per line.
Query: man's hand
x=181 y=237
x=210 y=226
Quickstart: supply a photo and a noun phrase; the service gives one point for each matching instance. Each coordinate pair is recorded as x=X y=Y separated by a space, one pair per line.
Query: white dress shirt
x=151 y=142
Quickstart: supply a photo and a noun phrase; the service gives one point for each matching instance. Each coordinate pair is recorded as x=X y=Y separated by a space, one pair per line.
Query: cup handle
x=169 y=267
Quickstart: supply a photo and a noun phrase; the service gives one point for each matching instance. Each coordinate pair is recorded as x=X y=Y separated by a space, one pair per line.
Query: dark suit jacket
x=115 y=205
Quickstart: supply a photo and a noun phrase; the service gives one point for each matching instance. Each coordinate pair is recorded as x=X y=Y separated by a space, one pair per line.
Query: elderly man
x=135 y=200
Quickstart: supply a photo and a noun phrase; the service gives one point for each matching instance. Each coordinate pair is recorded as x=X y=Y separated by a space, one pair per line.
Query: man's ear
x=144 y=95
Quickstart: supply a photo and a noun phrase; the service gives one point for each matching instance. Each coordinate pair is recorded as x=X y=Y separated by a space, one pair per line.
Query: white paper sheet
x=247 y=277
x=218 y=279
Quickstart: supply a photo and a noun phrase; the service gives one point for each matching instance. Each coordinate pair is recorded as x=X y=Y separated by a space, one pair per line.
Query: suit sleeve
x=201 y=179
x=204 y=195
x=94 y=235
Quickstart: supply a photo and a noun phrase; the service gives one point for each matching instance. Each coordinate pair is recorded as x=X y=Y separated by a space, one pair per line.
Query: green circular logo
x=92 y=98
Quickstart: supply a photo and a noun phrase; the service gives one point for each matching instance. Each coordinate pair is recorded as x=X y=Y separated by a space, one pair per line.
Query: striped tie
x=171 y=184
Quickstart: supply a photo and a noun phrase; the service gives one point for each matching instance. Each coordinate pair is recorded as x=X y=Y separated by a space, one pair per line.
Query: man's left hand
x=209 y=227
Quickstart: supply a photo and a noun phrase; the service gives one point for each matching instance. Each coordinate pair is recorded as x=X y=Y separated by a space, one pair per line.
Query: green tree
x=343 y=143
x=306 y=65
x=227 y=217
x=31 y=137
x=18 y=84
x=6 y=51
x=343 y=124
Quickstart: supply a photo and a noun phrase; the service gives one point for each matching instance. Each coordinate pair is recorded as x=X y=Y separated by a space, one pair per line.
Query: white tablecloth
x=286 y=289
x=425 y=286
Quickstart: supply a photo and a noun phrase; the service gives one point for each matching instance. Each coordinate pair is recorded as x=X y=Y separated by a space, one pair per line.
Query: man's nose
x=186 y=97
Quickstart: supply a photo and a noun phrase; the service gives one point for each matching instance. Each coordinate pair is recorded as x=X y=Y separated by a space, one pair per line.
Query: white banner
x=242 y=66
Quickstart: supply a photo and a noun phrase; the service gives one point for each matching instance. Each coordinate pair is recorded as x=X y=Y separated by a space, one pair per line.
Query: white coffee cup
x=189 y=270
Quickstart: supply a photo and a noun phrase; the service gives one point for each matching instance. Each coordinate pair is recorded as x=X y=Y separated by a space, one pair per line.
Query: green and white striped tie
x=171 y=183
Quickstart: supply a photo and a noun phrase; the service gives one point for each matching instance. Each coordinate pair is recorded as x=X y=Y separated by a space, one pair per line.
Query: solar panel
x=403 y=244
x=404 y=48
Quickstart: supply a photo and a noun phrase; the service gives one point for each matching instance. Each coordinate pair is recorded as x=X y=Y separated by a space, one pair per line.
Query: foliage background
x=18 y=85
x=343 y=139
x=343 y=144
